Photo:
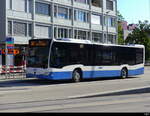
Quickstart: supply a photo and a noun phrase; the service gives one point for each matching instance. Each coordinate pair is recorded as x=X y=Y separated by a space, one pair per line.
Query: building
x=124 y=25
x=131 y=27
x=95 y=20
x=127 y=28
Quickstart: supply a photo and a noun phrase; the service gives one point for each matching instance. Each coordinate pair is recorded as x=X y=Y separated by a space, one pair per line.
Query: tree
x=120 y=29
x=141 y=35
x=120 y=34
x=120 y=17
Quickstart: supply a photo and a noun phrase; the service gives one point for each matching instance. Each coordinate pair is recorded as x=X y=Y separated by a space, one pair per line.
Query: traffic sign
x=9 y=40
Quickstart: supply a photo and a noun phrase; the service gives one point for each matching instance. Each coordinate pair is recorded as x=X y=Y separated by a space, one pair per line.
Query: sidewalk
x=12 y=76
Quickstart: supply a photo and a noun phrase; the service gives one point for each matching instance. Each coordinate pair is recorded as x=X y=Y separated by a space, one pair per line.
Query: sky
x=134 y=10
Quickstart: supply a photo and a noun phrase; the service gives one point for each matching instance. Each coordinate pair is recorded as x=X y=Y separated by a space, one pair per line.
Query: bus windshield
x=38 y=54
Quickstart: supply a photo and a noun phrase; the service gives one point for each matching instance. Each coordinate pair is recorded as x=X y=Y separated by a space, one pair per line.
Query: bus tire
x=76 y=76
x=124 y=73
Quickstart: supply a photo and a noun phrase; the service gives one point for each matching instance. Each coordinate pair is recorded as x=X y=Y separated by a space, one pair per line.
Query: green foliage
x=120 y=30
x=141 y=35
x=120 y=17
x=120 y=34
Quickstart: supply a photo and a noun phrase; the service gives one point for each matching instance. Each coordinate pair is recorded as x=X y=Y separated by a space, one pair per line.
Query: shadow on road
x=107 y=78
x=28 y=82
x=121 y=93
x=42 y=82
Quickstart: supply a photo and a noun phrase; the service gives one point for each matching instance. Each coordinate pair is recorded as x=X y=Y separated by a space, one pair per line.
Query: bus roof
x=129 y=45
x=70 y=40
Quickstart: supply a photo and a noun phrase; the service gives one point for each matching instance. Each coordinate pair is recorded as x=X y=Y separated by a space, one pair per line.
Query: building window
x=109 y=5
x=19 y=5
x=106 y=18
x=60 y=32
x=81 y=16
x=97 y=37
x=42 y=8
x=111 y=22
x=30 y=30
x=83 y=35
x=55 y=11
x=30 y=4
x=96 y=19
x=111 y=39
x=42 y=31
x=19 y=29
x=62 y=12
x=97 y=3
x=9 y=4
x=9 y=27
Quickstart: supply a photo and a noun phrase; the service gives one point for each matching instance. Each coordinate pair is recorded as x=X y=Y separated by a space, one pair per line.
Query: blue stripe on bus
x=53 y=76
x=30 y=75
x=87 y=74
x=57 y=76
x=136 y=72
x=97 y=74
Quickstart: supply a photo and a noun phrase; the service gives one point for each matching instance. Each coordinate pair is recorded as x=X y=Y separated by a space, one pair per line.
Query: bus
x=63 y=59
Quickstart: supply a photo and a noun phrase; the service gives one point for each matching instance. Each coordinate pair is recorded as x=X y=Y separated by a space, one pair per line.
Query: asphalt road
x=103 y=95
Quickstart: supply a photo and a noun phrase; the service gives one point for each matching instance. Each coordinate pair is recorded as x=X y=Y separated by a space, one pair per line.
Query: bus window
x=139 y=56
x=38 y=57
x=79 y=54
x=98 y=55
x=107 y=56
x=59 y=56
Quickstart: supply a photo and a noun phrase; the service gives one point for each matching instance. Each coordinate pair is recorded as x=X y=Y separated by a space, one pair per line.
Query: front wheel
x=124 y=73
x=76 y=77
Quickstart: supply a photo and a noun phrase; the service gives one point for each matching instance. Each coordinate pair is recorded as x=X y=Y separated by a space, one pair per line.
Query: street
x=102 y=95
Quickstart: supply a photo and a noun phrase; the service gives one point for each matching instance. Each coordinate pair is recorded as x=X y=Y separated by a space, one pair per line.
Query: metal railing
x=12 y=72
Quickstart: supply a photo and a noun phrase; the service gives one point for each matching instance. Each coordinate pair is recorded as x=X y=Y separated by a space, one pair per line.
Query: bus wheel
x=76 y=77
x=124 y=73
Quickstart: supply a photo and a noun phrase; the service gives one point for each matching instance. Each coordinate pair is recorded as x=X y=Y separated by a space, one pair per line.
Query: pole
x=107 y=30
x=107 y=26
x=6 y=60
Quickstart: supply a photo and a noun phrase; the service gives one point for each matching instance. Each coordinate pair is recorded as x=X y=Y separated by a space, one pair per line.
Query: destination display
x=40 y=43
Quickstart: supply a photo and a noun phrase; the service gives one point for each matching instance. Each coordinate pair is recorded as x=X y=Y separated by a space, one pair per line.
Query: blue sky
x=134 y=10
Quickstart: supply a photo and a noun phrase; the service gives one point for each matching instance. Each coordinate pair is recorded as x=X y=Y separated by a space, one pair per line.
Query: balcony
x=96 y=5
x=110 y=29
x=96 y=27
x=63 y=2
x=42 y=18
x=81 y=5
x=83 y=25
x=19 y=15
x=63 y=22
x=21 y=40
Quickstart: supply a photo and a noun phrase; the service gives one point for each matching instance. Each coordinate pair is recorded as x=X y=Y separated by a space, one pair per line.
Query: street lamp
x=107 y=19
